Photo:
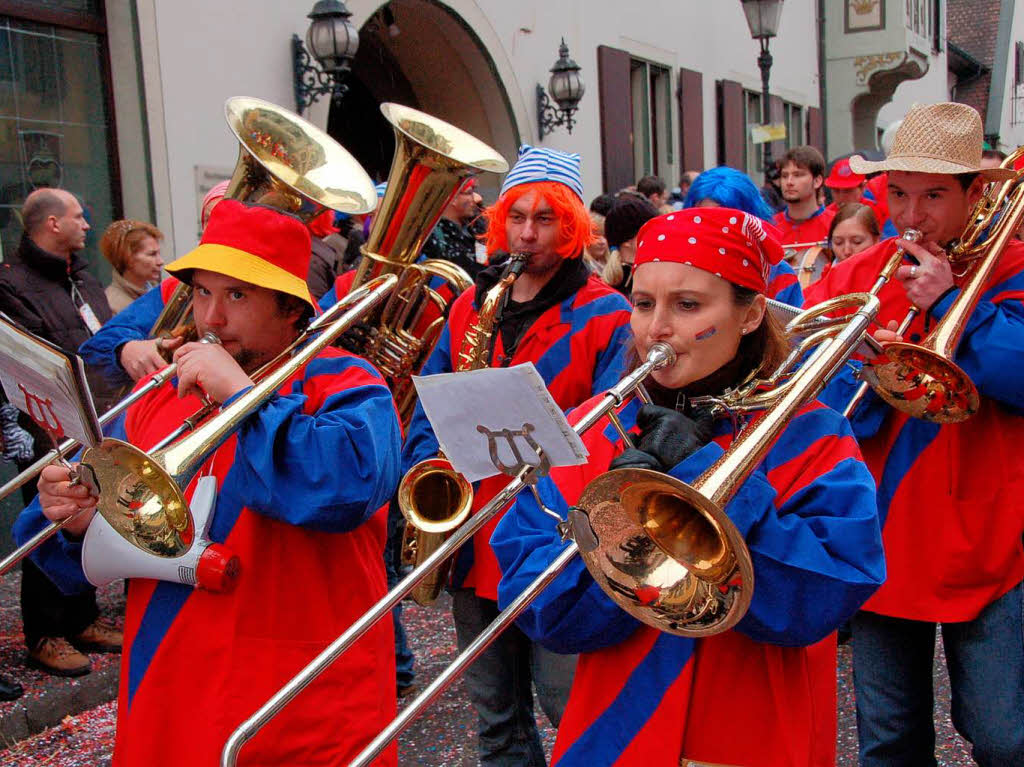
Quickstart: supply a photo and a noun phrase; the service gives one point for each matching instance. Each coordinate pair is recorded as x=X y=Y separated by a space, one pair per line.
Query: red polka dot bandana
x=730 y=244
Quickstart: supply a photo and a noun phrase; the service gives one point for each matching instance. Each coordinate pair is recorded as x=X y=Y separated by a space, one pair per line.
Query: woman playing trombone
x=763 y=693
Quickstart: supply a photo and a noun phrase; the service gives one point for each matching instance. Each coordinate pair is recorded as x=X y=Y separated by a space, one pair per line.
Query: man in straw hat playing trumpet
x=301 y=501
x=950 y=496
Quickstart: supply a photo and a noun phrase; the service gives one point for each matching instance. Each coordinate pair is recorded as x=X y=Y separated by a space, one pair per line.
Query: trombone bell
x=922 y=383
x=667 y=555
x=139 y=499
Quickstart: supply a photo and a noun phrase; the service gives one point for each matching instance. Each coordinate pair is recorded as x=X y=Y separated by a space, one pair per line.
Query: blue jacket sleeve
x=420 y=442
x=990 y=350
x=329 y=470
x=101 y=352
x=817 y=551
x=572 y=614
x=867 y=418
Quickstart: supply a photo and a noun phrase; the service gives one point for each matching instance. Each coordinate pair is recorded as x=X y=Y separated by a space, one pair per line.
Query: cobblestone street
x=444 y=735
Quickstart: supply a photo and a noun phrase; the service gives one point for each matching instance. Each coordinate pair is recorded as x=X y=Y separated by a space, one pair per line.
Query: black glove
x=667 y=436
x=636 y=459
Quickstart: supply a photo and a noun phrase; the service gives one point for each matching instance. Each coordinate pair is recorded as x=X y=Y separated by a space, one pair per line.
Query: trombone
x=159 y=521
x=922 y=380
x=641 y=532
x=659 y=356
x=283 y=161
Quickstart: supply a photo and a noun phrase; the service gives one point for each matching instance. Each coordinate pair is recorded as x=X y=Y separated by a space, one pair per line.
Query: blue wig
x=729 y=188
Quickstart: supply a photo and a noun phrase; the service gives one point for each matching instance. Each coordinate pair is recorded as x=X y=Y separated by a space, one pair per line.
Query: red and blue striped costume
x=783 y=285
x=578 y=347
x=951 y=497
x=301 y=487
x=762 y=694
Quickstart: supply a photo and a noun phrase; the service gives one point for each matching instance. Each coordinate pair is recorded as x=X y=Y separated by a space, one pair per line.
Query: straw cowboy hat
x=936 y=138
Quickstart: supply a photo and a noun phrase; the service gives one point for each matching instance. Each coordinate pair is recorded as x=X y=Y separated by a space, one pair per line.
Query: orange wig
x=576 y=228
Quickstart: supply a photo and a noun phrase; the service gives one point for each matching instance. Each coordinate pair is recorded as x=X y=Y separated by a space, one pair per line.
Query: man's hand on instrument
x=60 y=499
x=142 y=358
x=208 y=369
x=927 y=280
x=666 y=438
x=884 y=335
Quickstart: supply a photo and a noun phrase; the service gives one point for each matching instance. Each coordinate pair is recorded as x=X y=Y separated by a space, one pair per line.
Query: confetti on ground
x=445 y=734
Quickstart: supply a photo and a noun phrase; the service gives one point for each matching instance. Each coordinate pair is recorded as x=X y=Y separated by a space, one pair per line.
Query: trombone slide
x=660 y=355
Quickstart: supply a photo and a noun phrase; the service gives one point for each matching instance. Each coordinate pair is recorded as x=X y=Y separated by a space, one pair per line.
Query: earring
x=743 y=331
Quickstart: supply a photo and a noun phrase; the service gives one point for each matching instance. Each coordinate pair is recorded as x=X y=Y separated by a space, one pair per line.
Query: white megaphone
x=107 y=556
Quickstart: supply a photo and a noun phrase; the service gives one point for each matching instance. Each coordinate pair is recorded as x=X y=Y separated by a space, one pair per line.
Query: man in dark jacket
x=454 y=238
x=46 y=289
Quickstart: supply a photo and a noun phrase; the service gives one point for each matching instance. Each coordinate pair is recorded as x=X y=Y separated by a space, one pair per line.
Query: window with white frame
x=651 y=98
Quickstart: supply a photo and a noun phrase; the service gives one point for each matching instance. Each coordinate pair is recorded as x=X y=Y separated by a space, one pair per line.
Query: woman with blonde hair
x=133 y=249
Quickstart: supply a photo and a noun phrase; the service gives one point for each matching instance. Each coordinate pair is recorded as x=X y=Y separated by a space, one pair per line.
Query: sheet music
x=48 y=385
x=470 y=411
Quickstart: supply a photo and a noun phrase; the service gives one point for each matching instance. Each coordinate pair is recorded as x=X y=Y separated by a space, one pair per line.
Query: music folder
x=47 y=384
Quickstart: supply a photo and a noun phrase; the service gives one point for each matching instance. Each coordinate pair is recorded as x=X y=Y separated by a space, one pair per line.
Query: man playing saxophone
x=950 y=495
x=574 y=329
x=300 y=490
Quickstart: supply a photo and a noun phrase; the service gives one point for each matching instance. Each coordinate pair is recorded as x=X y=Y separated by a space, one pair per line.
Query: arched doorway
x=436 y=63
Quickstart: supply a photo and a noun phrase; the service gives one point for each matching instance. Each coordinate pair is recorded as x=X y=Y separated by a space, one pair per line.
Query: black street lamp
x=333 y=41
x=763 y=20
x=566 y=88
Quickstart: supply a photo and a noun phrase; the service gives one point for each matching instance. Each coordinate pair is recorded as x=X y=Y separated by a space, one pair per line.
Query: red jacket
x=813 y=229
x=951 y=497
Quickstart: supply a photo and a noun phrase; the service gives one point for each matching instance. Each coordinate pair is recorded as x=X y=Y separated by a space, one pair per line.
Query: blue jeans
x=404 y=659
x=892 y=677
x=499 y=684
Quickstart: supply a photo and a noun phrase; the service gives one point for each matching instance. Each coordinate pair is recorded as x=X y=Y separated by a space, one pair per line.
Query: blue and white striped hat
x=381 y=188
x=540 y=164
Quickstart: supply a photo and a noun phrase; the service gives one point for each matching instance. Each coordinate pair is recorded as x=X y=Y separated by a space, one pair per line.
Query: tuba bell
x=287 y=163
x=432 y=161
x=433 y=497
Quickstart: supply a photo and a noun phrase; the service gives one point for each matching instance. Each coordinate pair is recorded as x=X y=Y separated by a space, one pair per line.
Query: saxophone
x=433 y=497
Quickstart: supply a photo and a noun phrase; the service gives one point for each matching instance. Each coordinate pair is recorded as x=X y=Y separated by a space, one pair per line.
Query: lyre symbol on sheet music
x=41 y=411
x=535 y=458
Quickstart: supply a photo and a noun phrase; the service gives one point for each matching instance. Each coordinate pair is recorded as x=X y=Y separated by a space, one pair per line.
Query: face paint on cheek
x=706 y=333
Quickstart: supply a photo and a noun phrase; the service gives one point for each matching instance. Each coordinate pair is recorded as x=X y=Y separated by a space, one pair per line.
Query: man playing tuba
x=299 y=494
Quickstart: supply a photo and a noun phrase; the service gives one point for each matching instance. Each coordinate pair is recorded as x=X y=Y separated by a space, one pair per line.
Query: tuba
x=284 y=162
x=432 y=161
x=434 y=498
x=145 y=521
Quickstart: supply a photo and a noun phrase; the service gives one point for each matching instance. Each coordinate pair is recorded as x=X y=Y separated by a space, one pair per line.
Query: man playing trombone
x=300 y=491
x=950 y=494
x=573 y=328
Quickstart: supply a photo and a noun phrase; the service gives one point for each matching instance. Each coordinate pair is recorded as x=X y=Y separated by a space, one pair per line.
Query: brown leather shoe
x=102 y=635
x=56 y=656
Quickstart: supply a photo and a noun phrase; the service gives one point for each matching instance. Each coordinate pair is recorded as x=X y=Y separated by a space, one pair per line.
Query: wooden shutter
x=691 y=120
x=616 y=114
x=731 y=126
x=815 y=129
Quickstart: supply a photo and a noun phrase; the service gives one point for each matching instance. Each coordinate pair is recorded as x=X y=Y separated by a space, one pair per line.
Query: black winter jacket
x=35 y=292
